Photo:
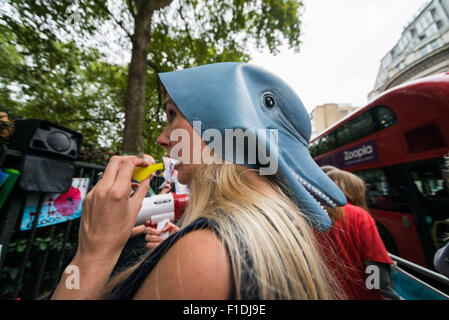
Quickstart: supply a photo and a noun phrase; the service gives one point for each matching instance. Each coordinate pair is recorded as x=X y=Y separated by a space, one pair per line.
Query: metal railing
x=34 y=273
x=417 y=269
x=51 y=257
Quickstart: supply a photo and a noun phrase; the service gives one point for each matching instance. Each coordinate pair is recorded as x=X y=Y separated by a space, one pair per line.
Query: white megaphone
x=159 y=209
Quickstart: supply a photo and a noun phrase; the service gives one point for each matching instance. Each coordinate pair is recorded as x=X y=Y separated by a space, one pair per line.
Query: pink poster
x=56 y=207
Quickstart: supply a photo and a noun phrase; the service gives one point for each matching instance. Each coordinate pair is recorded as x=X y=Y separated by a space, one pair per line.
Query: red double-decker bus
x=397 y=144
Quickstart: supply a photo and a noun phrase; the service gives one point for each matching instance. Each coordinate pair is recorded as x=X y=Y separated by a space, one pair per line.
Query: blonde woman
x=247 y=232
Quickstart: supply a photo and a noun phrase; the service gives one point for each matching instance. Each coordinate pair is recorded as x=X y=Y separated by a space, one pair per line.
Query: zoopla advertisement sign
x=359 y=154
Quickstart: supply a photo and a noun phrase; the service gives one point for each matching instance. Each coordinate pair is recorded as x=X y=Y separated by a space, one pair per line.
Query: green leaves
x=18 y=246
x=43 y=242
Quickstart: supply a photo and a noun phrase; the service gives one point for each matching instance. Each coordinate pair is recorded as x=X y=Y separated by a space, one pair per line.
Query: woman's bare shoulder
x=197 y=266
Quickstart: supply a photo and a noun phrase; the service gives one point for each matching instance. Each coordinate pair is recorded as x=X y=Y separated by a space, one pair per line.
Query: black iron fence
x=32 y=261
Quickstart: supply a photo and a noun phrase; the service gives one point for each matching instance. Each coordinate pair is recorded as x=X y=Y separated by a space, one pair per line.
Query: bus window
x=385 y=117
x=327 y=143
x=377 y=189
x=357 y=128
x=314 y=148
x=344 y=135
x=385 y=189
x=376 y=119
x=434 y=193
x=428 y=179
x=429 y=185
x=322 y=145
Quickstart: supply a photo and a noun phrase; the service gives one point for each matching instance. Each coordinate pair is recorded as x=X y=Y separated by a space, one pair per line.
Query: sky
x=342 y=44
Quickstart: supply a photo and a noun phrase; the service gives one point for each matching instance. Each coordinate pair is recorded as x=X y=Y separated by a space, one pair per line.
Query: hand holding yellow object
x=141 y=173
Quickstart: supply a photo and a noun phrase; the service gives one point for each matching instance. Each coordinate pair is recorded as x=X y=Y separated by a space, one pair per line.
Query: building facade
x=324 y=116
x=422 y=50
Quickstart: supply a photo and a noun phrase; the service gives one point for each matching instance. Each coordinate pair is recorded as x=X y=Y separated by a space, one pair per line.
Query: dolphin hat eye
x=268 y=100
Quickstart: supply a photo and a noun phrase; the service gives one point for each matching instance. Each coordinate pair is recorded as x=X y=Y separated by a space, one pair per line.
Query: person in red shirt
x=353 y=248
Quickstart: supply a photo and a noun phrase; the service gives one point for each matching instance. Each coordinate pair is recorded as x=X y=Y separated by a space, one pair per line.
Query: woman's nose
x=164 y=139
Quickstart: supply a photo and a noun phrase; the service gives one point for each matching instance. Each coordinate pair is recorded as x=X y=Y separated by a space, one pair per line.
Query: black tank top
x=128 y=288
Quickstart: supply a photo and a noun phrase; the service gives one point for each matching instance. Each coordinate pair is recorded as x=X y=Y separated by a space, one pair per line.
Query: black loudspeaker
x=44 y=137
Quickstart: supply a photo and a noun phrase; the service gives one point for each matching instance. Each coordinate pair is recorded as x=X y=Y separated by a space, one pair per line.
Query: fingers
x=148 y=158
x=110 y=173
x=134 y=185
x=138 y=230
x=153 y=238
x=166 y=188
x=170 y=227
x=152 y=231
x=114 y=167
x=141 y=192
x=125 y=172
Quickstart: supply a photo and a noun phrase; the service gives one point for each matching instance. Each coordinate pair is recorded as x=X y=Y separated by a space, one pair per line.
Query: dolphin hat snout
x=232 y=95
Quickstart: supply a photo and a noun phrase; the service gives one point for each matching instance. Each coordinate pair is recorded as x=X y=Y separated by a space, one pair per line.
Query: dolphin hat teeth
x=316 y=193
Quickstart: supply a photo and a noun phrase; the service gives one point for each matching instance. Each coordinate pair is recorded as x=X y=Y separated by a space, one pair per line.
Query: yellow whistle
x=141 y=173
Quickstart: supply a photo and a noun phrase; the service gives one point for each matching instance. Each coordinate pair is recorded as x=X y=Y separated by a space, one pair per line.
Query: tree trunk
x=133 y=135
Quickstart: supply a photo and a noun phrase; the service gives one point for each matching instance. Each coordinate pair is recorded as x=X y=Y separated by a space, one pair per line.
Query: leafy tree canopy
x=67 y=61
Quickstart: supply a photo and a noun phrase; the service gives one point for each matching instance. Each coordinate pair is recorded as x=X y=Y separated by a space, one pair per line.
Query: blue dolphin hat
x=230 y=95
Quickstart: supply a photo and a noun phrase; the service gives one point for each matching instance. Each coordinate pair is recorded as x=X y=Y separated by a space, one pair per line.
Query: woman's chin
x=181 y=173
x=185 y=173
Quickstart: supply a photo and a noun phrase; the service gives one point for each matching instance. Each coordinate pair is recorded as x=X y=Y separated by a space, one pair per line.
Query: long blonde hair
x=267 y=236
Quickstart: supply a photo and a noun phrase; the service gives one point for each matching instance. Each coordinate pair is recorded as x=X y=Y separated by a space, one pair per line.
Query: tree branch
x=153 y=66
x=192 y=47
x=91 y=120
x=119 y=23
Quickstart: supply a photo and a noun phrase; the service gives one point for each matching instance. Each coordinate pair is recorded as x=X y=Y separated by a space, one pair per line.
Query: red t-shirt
x=348 y=245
